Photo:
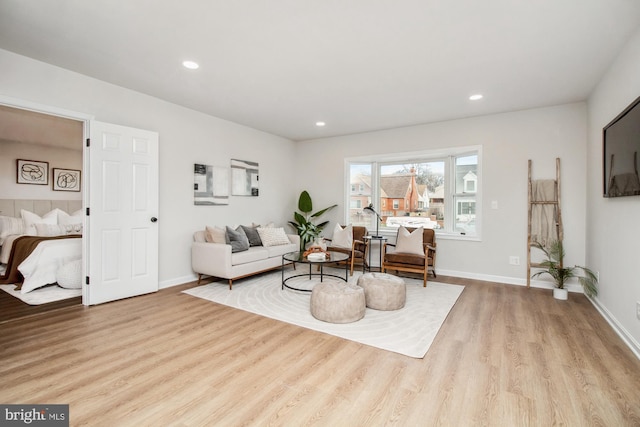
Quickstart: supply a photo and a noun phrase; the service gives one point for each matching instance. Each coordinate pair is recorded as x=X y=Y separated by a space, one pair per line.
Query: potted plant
x=307 y=230
x=554 y=267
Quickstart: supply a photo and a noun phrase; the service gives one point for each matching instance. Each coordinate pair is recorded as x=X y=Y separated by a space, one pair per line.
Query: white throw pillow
x=215 y=235
x=69 y=219
x=30 y=220
x=410 y=243
x=49 y=230
x=9 y=226
x=273 y=236
x=342 y=237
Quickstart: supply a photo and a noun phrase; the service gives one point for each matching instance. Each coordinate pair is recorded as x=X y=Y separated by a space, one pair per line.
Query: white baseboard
x=508 y=280
x=177 y=281
x=617 y=327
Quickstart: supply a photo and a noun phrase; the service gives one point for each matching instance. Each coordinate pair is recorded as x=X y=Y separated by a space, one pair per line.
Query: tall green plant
x=553 y=266
x=307 y=230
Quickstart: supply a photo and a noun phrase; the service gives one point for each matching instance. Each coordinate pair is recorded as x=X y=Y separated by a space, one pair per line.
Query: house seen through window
x=430 y=190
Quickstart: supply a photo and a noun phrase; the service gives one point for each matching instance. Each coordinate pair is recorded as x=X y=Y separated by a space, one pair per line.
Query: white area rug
x=408 y=331
x=49 y=293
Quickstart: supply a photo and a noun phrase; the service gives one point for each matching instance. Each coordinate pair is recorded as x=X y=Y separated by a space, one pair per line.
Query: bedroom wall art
x=66 y=180
x=210 y=185
x=32 y=172
x=244 y=178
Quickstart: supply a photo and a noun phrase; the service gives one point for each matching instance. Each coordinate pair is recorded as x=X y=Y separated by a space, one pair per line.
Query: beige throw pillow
x=273 y=236
x=215 y=235
x=342 y=237
x=409 y=243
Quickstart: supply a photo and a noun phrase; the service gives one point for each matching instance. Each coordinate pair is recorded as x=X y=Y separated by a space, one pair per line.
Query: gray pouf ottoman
x=337 y=302
x=383 y=291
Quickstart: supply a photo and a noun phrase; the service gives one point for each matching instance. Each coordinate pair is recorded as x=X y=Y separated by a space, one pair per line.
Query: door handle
x=154 y=219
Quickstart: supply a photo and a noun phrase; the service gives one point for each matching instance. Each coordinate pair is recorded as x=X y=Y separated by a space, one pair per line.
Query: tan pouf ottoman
x=337 y=302
x=383 y=291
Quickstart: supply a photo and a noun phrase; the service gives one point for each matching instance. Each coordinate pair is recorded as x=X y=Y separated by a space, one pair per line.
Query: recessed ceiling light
x=475 y=97
x=320 y=124
x=190 y=65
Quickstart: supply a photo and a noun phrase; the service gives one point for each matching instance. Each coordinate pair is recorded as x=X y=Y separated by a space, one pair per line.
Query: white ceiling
x=25 y=126
x=358 y=65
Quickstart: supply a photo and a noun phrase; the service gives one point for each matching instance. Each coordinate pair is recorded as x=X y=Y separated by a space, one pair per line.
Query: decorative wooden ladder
x=558 y=217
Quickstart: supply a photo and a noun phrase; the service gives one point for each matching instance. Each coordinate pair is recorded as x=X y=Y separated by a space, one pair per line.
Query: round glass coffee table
x=298 y=258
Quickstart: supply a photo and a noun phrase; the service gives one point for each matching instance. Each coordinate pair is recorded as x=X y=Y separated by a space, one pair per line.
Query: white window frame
x=446 y=154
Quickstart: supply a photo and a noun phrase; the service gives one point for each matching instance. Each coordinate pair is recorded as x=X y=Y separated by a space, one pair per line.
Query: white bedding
x=40 y=267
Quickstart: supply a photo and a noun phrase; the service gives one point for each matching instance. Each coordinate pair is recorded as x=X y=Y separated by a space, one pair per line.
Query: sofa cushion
x=252 y=235
x=277 y=251
x=254 y=253
x=237 y=239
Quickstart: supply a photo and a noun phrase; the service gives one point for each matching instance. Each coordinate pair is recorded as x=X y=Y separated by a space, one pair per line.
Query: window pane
x=412 y=194
x=465 y=198
x=466 y=174
x=360 y=195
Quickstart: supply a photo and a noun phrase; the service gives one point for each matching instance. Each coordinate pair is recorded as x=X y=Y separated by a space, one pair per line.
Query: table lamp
x=370 y=209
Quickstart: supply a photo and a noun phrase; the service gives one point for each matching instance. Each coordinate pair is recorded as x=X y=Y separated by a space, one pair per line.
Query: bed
x=40 y=240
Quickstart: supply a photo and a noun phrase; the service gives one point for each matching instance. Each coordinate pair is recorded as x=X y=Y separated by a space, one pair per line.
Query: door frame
x=73 y=115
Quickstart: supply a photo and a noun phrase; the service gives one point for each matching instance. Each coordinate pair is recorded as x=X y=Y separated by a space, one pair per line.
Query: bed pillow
x=30 y=220
x=410 y=243
x=273 y=236
x=49 y=230
x=69 y=219
x=237 y=239
x=342 y=237
x=10 y=225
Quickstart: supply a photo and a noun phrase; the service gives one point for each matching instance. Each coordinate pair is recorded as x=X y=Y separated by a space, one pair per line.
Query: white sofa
x=217 y=260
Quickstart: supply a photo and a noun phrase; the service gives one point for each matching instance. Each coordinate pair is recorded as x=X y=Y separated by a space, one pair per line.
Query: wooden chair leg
x=230 y=283
x=199 y=278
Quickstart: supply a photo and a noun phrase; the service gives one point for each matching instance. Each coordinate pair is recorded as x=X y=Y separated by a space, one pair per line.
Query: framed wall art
x=66 y=180
x=244 y=178
x=210 y=185
x=32 y=172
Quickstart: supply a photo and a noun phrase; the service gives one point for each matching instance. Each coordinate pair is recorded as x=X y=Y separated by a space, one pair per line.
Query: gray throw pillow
x=237 y=239
x=252 y=235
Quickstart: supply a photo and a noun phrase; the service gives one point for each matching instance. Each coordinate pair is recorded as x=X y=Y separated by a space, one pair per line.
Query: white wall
x=186 y=137
x=614 y=227
x=57 y=158
x=508 y=141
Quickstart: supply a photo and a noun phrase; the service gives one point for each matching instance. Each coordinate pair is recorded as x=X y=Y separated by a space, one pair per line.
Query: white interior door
x=123 y=210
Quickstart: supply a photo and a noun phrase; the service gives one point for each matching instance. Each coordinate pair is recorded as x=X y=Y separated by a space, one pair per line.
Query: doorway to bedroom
x=54 y=146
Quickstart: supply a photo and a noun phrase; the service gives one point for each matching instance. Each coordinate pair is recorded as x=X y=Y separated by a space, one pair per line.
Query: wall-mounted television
x=620 y=148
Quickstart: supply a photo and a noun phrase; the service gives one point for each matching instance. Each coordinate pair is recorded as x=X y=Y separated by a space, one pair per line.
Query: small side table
x=370 y=239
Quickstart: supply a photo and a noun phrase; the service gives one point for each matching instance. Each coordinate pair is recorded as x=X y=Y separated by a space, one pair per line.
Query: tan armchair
x=413 y=263
x=358 y=250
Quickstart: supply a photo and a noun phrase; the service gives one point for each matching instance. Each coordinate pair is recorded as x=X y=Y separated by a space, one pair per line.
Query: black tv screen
x=620 y=146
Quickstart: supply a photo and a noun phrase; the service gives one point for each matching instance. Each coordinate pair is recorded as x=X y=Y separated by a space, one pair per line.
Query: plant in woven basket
x=554 y=267
x=303 y=220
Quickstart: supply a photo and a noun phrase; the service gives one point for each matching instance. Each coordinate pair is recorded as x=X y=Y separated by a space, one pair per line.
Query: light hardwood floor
x=506 y=356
